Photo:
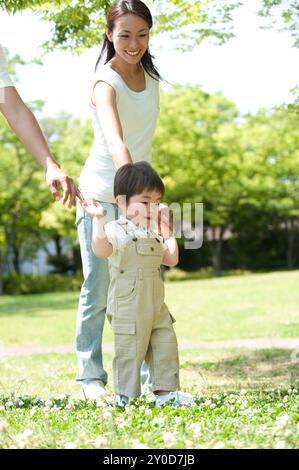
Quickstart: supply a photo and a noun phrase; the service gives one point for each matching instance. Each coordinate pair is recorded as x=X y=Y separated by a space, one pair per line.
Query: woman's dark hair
x=134 y=178
x=119 y=9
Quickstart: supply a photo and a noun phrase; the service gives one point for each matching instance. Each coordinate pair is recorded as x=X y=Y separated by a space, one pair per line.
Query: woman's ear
x=109 y=34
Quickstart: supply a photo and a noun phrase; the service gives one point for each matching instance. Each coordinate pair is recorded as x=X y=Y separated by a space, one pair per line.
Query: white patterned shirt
x=118 y=237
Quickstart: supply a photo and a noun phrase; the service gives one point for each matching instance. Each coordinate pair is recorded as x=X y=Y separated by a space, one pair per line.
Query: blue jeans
x=93 y=301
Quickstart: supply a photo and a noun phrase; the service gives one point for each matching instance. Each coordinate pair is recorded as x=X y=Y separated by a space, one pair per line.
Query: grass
x=242 y=400
x=248 y=306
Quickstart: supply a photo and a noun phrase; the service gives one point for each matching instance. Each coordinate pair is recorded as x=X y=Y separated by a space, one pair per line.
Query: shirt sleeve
x=115 y=236
x=5 y=79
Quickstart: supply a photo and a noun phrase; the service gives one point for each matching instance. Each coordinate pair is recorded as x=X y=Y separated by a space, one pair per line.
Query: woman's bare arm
x=105 y=100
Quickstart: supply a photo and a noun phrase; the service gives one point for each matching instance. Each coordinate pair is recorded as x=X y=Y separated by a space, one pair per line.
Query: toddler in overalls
x=140 y=320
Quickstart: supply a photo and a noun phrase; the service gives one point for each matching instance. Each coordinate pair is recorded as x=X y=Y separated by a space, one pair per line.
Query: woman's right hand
x=95 y=209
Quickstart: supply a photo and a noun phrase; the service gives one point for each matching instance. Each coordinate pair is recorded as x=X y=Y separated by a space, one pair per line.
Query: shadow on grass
x=253 y=369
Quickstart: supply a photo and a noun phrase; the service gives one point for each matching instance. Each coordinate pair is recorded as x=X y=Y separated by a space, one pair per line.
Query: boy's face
x=142 y=208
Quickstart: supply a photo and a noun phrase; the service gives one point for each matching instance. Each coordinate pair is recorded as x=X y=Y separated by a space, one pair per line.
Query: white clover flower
x=290 y=391
x=33 y=411
x=196 y=429
x=295 y=391
x=69 y=405
x=178 y=419
x=280 y=445
x=208 y=402
x=243 y=391
x=283 y=421
x=48 y=403
x=148 y=412
x=3 y=425
x=169 y=439
x=141 y=408
x=157 y=421
x=70 y=445
x=261 y=430
x=288 y=433
x=27 y=433
x=9 y=404
x=285 y=399
x=243 y=405
x=101 y=442
x=188 y=443
x=106 y=414
x=2 y=408
x=138 y=445
x=21 y=444
x=219 y=445
x=100 y=403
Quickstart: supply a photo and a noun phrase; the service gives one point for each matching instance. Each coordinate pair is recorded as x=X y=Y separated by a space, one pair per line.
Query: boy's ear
x=120 y=200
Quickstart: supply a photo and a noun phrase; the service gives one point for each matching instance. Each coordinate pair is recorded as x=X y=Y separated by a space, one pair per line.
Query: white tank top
x=138 y=113
x=5 y=79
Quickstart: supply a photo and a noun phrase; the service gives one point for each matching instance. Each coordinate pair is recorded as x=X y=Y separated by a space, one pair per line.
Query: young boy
x=141 y=321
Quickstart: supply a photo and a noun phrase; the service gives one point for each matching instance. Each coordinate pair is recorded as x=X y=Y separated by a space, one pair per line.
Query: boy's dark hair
x=134 y=178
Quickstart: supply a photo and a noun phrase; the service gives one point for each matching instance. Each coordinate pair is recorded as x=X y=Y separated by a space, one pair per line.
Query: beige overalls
x=141 y=321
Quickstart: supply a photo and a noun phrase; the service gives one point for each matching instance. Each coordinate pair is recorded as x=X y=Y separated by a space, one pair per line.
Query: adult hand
x=57 y=179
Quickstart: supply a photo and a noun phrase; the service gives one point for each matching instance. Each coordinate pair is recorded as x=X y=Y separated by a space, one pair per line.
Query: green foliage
x=283 y=14
x=79 y=24
x=15 y=284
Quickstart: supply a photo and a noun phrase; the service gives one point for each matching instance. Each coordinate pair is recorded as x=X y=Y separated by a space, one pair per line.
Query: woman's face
x=130 y=37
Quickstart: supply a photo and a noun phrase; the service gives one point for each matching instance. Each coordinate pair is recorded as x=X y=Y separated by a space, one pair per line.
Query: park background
x=227 y=137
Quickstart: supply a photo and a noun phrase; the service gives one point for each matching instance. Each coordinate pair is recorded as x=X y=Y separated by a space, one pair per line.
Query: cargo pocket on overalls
x=125 y=288
x=125 y=343
x=125 y=294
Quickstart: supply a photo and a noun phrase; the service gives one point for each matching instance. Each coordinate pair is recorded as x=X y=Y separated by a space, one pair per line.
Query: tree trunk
x=216 y=246
x=57 y=241
x=292 y=250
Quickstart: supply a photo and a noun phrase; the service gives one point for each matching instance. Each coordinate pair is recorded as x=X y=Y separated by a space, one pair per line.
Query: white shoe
x=175 y=398
x=93 y=389
x=121 y=400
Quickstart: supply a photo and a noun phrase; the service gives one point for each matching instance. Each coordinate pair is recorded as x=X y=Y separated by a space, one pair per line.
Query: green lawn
x=242 y=400
x=255 y=305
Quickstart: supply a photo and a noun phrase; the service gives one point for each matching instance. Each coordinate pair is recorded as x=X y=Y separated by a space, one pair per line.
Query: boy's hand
x=165 y=223
x=95 y=209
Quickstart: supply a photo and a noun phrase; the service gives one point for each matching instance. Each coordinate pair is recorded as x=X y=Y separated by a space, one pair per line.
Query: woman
x=125 y=107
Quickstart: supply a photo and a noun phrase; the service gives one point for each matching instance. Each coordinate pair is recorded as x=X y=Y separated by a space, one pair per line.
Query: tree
x=80 y=24
x=283 y=14
x=197 y=153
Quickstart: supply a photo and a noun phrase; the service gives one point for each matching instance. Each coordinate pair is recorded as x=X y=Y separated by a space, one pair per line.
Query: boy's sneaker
x=175 y=398
x=121 y=400
x=93 y=389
